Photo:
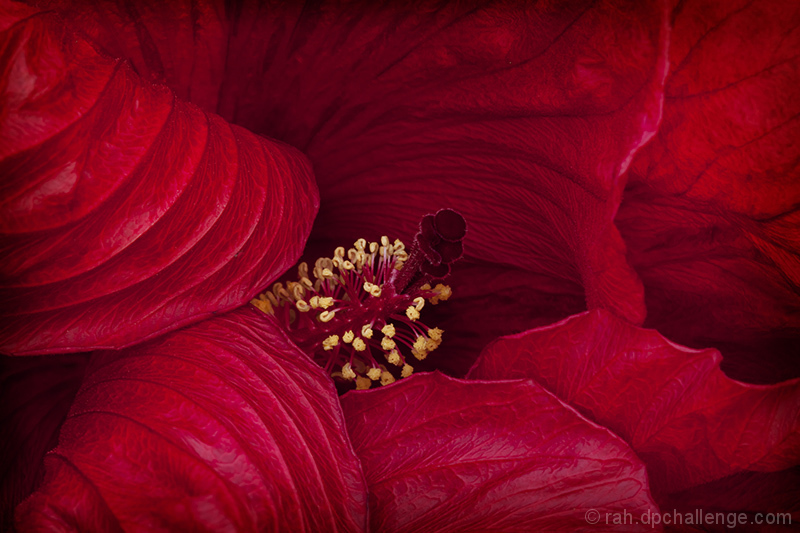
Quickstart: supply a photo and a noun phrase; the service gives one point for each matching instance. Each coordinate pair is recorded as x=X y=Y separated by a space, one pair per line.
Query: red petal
x=35 y=395
x=521 y=118
x=221 y=426
x=443 y=455
x=125 y=211
x=689 y=422
x=711 y=216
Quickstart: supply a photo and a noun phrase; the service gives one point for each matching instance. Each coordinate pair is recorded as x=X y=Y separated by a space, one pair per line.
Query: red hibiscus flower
x=143 y=208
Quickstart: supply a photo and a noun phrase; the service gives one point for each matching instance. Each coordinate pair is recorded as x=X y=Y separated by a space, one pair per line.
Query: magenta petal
x=444 y=455
x=126 y=212
x=689 y=422
x=711 y=214
x=35 y=396
x=224 y=425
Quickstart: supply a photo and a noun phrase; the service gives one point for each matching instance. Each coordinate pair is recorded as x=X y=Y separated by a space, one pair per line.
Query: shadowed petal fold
x=712 y=212
x=125 y=211
x=441 y=455
x=35 y=396
x=220 y=426
x=522 y=117
x=688 y=421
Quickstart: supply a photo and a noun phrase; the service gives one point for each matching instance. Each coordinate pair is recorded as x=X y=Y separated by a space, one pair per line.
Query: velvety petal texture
x=222 y=426
x=441 y=454
x=126 y=212
x=712 y=212
x=688 y=421
x=522 y=116
x=35 y=396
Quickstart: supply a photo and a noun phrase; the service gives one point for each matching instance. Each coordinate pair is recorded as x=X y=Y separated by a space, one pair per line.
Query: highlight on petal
x=688 y=422
x=711 y=214
x=522 y=117
x=35 y=396
x=126 y=212
x=220 y=426
x=441 y=454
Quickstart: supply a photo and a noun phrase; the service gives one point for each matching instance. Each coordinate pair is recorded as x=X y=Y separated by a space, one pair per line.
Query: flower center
x=360 y=316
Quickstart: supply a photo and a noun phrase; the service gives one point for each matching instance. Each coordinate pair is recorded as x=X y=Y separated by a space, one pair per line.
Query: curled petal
x=711 y=213
x=688 y=421
x=220 y=426
x=125 y=211
x=442 y=455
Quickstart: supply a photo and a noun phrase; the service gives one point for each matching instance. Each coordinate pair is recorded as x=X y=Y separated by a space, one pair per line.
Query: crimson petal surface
x=221 y=426
x=688 y=421
x=441 y=454
x=125 y=211
x=711 y=213
x=521 y=117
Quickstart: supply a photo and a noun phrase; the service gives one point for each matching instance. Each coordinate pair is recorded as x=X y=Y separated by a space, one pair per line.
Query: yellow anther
x=330 y=342
x=307 y=283
x=273 y=300
x=363 y=383
x=348 y=337
x=325 y=302
x=327 y=273
x=366 y=331
x=386 y=378
x=347 y=265
x=361 y=258
x=373 y=289
x=407 y=371
x=412 y=313
x=326 y=316
x=388 y=344
x=393 y=357
x=360 y=244
x=359 y=344
x=388 y=330
x=435 y=334
x=280 y=293
x=398 y=245
x=419 y=343
x=431 y=345
x=302 y=271
x=420 y=348
x=302 y=306
x=263 y=304
x=373 y=247
x=347 y=372
x=339 y=252
x=314 y=302
x=419 y=303
x=298 y=291
x=374 y=373
x=443 y=292
x=384 y=240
